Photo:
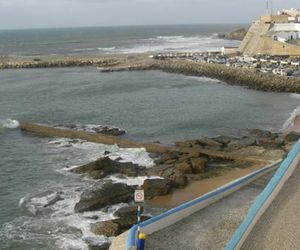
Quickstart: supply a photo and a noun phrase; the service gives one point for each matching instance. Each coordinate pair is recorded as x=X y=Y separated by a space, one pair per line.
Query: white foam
x=10 y=124
x=295 y=96
x=208 y=42
x=203 y=79
x=107 y=48
x=290 y=121
x=133 y=181
x=88 y=151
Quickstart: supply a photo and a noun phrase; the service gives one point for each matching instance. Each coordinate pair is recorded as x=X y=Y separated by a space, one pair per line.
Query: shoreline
x=249 y=78
x=201 y=187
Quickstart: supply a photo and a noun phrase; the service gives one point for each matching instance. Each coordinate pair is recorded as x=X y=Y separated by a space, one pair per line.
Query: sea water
x=150 y=106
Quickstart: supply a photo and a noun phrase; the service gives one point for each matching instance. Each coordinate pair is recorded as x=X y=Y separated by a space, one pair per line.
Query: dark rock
x=161 y=170
x=52 y=201
x=224 y=140
x=236 y=144
x=179 y=178
x=236 y=35
x=107 y=228
x=270 y=143
x=155 y=187
x=93 y=244
x=184 y=144
x=103 y=194
x=74 y=141
x=258 y=133
x=198 y=165
x=105 y=166
x=111 y=131
x=184 y=168
x=207 y=142
x=106 y=152
x=292 y=136
x=127 y=211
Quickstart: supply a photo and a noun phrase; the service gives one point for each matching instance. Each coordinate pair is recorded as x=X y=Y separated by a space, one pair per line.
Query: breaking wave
x=209 y=42
x=290 y=122
x=9 y=124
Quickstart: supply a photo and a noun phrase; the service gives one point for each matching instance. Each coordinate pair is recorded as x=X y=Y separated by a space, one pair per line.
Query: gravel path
x=210 y=228
x=279 y=226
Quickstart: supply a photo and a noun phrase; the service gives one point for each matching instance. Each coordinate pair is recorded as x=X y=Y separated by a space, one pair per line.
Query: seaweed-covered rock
x=155 y=187
x=198 y=165
x=108 y=228
x=105 y=166
x=103 y=194
x=292 y=136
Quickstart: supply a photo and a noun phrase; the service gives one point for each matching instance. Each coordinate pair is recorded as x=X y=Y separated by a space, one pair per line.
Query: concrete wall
x=286 y=27
x=274 y=19
x=271 y=47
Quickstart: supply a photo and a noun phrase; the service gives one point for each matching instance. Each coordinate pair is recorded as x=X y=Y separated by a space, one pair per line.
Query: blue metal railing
x=263 y=198
x=132 y=237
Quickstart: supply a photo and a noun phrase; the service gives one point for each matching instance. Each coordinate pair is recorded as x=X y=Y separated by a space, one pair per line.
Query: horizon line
x=115 y=26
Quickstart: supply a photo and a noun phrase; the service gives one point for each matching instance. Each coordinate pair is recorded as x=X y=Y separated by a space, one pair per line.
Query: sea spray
x=9 y=124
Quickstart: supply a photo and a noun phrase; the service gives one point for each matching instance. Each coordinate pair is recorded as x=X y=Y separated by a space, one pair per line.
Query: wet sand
x=198 y=188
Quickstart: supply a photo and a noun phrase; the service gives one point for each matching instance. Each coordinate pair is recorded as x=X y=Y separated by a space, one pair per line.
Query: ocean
x=107 y=40
x=150 y=106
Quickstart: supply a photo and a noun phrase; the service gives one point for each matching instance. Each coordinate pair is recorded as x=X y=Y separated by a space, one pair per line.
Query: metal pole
x=139 y=219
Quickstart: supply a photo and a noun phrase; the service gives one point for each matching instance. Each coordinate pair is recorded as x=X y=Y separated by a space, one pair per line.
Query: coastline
x=187 y=188
x=249 y=78
x=201 y=187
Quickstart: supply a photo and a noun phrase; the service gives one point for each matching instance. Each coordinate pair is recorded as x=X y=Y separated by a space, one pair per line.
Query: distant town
x=271 y=45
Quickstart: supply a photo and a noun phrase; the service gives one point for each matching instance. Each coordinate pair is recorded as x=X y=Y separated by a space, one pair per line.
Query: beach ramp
x=273 y=221
x=207 y=221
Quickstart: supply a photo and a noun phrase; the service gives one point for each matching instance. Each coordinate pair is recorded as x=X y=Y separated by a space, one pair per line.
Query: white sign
x=139 y=195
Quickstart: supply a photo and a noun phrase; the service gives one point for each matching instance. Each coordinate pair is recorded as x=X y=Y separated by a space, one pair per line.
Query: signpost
x=139 y=198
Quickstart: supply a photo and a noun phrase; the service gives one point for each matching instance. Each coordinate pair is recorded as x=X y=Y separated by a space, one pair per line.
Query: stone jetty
x=248 y=77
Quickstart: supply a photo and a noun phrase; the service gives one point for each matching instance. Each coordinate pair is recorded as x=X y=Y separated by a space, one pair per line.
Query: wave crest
x=290 y=122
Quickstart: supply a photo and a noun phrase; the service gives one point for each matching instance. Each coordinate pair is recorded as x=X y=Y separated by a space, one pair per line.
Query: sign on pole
x=139 y=196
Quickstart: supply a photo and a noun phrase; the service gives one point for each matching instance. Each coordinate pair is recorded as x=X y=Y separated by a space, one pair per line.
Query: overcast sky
x=20 y=14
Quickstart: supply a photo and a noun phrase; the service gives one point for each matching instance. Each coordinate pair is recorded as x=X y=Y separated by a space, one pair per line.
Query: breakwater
x=250 y=78
x=92 y=137
x=233 y=76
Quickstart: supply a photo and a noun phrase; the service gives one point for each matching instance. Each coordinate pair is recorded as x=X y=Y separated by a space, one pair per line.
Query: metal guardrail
x=178 y=213
x=263 y=201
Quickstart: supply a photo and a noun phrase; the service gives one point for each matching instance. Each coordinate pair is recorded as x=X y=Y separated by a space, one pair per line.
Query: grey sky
x=19 y=14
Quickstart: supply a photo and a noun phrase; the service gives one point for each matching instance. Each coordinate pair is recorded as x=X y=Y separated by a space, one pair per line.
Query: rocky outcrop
x=94 y=244
x=202 y=157
x=292 y=136
x=107 y=228
x=105 y=166
x=156 y=187
x=236 y=34
x=127 y=217
x=102 y=194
